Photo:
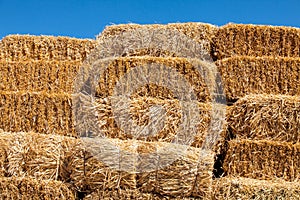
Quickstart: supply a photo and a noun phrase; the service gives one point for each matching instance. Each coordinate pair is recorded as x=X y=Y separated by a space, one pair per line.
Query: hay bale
x=263 y=159
x=200 y=32
x=36 y=111
x=189 y=175
x=88 y=173
x=28 y=188
x=33 y=155
x=177 y=68
x=165 y=130
x=256 y=40
x=243 y=75
x=27 y=47
x=40 y=75
x=246 y=188
x=269 y=117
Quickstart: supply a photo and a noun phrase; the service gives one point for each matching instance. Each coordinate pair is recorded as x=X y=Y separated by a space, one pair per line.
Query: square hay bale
x=266 y=117
x=165 y=70
x=263 y=159
x=33 y=155
x=29 y=188
x=88 y=173
x=36 y=111
x=245 y=188
x=256 y=40
x=140 y=114
x=188 y=175
x=40 y=75
x=200 y=32
x=244 y=75
x=28 y=47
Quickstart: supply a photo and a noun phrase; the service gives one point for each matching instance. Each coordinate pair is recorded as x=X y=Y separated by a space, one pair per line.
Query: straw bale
x=33 y=155
x=263 y=159
x=28 y=188
x=40 y=75
x=133 y=66
x=164 y=125
x=36 y=111
x=28 y=47
x=200 y=32
x=256 y=40
x=89 y=173
x=246 y=188
x=270 y=117
x=243 y=75
x=189 y=175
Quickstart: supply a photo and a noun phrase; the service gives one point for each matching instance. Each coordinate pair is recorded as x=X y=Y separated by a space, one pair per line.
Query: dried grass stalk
x=28 y=188
x=253 y=40
x=200 y=32
x=27 y=47
x=269 y=117
x=263 y=159
x=246 y=188
x=36 y=111
x=41 y=75
x=243 y=75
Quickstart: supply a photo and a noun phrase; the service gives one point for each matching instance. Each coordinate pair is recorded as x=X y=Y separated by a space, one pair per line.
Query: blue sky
x=85 y=19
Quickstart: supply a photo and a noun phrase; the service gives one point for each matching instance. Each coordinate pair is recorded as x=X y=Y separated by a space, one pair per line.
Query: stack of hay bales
x=39 y=140
x=186 y=177
x=42 y=155
x=260 y=71
x=37 y=75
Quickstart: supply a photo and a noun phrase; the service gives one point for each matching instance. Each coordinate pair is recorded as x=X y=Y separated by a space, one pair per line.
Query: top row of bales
x=220 y=42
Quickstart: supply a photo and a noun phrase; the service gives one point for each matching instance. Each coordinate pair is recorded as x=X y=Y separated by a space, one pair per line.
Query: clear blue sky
x=85 y=19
